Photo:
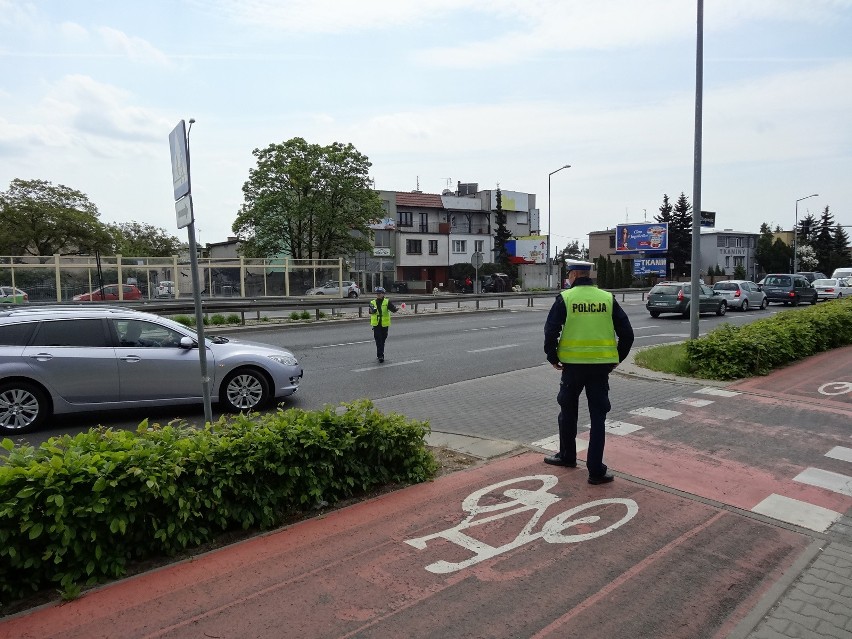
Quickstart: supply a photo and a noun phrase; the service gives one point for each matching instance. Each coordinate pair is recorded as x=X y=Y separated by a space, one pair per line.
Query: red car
x=110 y=293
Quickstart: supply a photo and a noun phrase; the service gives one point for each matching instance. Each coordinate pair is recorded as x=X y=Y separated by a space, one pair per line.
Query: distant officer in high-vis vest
x=586 y=335
x=380 y=310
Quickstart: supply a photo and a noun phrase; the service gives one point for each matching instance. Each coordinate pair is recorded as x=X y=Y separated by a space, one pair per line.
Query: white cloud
x=73 y=32
x=134 y=48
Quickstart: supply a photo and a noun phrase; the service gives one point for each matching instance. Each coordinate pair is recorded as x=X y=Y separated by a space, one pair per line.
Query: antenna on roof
x=418 y=183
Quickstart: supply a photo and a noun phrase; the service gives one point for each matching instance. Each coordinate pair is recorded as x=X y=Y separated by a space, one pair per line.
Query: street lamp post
x=796 y=232
x=549 y=231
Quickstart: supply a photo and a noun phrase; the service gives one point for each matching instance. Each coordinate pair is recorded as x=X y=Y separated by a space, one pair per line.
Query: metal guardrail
x=243 y=305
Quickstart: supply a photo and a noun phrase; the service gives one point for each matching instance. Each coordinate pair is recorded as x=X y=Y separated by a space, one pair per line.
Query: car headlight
x=286 y=360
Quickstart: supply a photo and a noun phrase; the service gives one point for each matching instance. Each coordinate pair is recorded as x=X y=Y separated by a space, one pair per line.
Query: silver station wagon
x=56 y=360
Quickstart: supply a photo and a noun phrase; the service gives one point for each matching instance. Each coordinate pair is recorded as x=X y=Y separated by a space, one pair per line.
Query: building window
x=727 y=261
x=477 y=246
x=424 y=222
x=406 y=218
x=739 y=243
x=414 y=247
x=720 y=241
x=523 y=218
x=459 y=246
x=433 y=247
x=383 y=239
x=739 y=260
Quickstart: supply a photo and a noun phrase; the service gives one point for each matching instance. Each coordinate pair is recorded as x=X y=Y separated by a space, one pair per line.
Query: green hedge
x=733 y=352
x=77 y=509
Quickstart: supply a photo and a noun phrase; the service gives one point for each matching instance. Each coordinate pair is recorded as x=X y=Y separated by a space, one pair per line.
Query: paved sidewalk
x=809 y=595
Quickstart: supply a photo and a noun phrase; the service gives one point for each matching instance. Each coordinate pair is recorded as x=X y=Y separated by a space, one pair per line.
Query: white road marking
x=663 y=335
x=656 y=413
x=378 y=366
x=834 y=482
x=366 y=341
x=642 y=328
x=482 y=328
x=797 y=512
x=841 y=453
x=621 y=428
x=694 y=401
x=494 y=348
x=718 y=392
x=552 y=444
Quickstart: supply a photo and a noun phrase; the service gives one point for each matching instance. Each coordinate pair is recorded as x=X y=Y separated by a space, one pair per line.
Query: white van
x=845 y=272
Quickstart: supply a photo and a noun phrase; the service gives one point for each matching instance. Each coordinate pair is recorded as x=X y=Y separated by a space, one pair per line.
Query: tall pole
x=695 y=305
x=196 y=293
x=549 y=231
x=796 y=232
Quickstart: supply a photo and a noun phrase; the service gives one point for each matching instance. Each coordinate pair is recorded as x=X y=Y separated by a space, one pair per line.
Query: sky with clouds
x=437 y=92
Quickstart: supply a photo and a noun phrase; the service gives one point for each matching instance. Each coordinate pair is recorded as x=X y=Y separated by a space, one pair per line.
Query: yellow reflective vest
x=588 y=336
x=382 y=312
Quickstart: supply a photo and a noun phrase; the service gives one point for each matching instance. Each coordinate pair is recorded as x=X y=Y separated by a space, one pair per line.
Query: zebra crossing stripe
x=718 y=392
x=552 y=444
x=834 y=482
x=797 y=512
x=694 y=401
x=841 y=453
x=656 y=413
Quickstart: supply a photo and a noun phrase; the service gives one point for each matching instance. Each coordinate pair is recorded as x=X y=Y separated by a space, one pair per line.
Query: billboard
x=642 y=238
x=530 y=249
x=708 y=219
x=650 y=266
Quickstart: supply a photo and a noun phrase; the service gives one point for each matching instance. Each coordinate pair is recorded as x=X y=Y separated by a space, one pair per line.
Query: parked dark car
x=812 y=275
x=496 y=283
x=784 y=288
x=675 y=297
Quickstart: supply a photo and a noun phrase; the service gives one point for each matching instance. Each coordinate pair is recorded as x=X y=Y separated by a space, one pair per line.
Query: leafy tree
x=138 y=239
x=840 y=255
x=617 y=275
x=772 y=254
x=808 y=260
x=807 y=229
x=823 y=242
x=739 y=272
x=41 y=219
x=601 y=267
x=307 y=201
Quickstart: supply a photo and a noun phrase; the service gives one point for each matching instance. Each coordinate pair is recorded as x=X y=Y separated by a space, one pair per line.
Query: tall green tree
x=773 y=255
x=42 y=219
x=138 y=239
x=840 y=255
x=823 y=241
x=680 y=235
x=502 y=235
x=307 y=201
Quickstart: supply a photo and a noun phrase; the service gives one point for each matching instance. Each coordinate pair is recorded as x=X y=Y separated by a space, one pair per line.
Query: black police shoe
x=601 y=479
x=556 y=460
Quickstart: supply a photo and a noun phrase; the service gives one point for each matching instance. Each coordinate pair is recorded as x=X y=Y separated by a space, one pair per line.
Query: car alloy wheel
x=744 y=306
x=723 y=307
x=23 y=407
x=245 y=390
x=764 y=304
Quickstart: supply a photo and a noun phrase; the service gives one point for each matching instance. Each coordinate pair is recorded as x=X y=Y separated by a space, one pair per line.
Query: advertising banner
x=530 y=249
x=642 y=238
x=651 y=266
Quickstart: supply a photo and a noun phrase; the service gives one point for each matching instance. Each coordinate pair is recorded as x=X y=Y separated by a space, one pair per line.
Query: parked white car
x=832 y=288
x=350 y=289
x=844 y=272
x=166 y=289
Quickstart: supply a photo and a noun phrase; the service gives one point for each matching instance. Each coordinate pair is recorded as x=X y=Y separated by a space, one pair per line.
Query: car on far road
x=350 y=289
x=812 y=275
x=742 y=294
x=675 y=297
x=73 y=358
x=12 y=295
x=165 y=288
x=845 y=272
x=109 y=293
x=784 y=288
x=832 y=288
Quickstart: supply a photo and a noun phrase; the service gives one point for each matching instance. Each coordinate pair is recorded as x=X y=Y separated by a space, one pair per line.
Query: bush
x=77 y=509
x=305 y=315
x=217 y=319
x=234 y=318
x=731 y=352
x=295 y=315
x=186 y=320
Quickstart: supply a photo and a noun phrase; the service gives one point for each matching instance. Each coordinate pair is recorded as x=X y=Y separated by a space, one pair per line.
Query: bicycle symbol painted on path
x=522 y=500
x=835 y=388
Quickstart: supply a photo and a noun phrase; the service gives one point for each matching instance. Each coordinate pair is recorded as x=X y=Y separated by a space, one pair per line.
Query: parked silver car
x=64 y=359
x=742 y=294
x=350 y=289
x=832 y=288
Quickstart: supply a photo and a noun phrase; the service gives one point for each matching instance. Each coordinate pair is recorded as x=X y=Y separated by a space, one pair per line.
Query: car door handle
x=131 y=358
x=43 y=357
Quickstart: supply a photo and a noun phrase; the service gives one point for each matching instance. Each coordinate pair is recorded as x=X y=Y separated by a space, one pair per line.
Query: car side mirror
x=187 y=342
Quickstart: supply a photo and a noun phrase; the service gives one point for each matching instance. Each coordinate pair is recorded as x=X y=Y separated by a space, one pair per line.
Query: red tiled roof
x=424 y=200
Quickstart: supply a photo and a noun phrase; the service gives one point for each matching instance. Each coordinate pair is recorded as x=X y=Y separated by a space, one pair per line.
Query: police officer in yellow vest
x=586 y=335
x=380 y=310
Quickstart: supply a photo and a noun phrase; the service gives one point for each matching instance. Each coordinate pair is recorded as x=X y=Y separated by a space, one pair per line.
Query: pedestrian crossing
x=780 y=507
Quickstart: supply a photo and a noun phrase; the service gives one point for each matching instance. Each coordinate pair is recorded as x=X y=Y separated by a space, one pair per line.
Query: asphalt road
x=424 y=351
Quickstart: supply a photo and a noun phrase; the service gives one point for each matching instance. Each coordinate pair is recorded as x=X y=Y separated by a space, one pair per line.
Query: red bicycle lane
x=507 y=549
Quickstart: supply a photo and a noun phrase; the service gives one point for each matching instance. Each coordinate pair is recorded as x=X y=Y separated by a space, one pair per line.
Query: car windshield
x=778 y=280
x=725 y=286
x=666 y=289
x=827 y=282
